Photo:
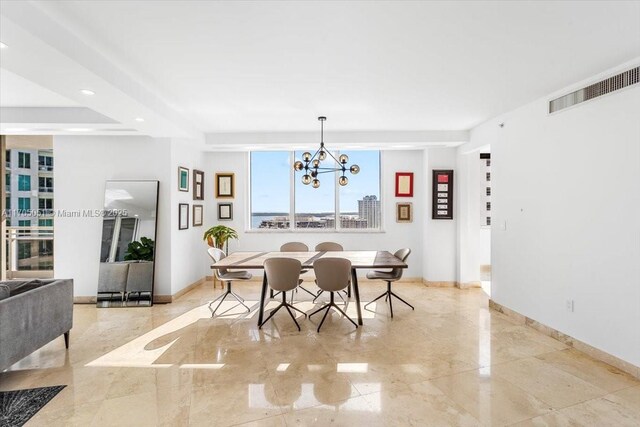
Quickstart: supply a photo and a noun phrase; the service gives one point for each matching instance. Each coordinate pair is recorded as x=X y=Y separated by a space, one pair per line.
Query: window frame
x=292 y=201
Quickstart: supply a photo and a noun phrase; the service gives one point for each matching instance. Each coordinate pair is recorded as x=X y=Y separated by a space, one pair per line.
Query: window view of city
x=29 y=209
x=314 y=208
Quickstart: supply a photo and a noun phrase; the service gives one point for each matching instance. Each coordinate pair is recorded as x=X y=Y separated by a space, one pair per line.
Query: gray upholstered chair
x=140 y=278
x=283 y=275
x=295 y=247
x=112 y=278
x=332 y=247
x=227 y=276
x=329 y=247
x=332 y=275
x=390 y=276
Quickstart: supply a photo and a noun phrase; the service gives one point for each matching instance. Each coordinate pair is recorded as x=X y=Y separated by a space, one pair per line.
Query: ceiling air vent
x=622 y=80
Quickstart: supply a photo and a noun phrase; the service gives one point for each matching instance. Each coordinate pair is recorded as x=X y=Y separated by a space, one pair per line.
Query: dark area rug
x=18 y=406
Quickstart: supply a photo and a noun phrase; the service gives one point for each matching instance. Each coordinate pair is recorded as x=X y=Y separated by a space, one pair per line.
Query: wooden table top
x=359 y=259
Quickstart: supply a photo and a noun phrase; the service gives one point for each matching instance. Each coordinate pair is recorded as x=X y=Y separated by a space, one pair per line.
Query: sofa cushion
x=4 y=291
x=21 y=286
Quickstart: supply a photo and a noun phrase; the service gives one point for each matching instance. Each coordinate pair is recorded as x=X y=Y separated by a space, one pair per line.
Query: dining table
x=359 y=260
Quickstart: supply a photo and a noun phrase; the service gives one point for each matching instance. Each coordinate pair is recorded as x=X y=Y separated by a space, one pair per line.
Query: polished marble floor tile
x=452 y=361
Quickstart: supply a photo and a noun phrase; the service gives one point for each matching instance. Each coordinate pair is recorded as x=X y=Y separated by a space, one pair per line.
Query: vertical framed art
x=404 y=184
x=183 y=216
x=198 y=185
x=197 y=215
x=183 y=179
x=225 y=211
x=224 y=185
x=404 y=212
x=442 y=194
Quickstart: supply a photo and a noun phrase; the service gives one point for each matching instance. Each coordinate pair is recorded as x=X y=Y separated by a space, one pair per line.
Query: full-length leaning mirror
x=128 y=247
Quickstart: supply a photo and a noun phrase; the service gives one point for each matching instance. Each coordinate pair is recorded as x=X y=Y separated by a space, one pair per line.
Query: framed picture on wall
x=224 y=185
x=183 y=216
x=404 y=212
x=198 y=185
x=404 y=184
x=197 y=215
x=442 y=194
x=183 y=179
x=225 y=211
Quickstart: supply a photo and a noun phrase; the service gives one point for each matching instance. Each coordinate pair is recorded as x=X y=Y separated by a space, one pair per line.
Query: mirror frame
x=155 y=246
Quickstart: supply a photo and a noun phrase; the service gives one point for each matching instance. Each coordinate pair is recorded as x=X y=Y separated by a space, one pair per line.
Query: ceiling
x=195 y=68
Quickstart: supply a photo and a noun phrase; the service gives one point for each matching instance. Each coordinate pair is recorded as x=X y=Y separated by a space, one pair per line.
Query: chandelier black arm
x=327 y=171
x=336 y=160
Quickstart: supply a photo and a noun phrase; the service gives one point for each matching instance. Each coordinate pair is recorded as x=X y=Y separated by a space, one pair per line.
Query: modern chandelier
x=312 y=165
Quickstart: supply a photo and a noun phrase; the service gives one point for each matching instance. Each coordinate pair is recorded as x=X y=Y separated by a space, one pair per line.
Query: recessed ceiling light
x=139 y=119
x=87 y=92
x=3 y=46
x=78 y=130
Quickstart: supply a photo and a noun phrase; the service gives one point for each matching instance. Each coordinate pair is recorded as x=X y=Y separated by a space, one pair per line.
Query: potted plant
x=140 y=251
x=218 y=236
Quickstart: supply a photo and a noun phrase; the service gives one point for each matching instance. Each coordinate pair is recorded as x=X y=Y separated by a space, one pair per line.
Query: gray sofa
x=33 y=313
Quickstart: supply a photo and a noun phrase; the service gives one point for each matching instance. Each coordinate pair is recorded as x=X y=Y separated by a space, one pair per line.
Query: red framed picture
x=404 y=184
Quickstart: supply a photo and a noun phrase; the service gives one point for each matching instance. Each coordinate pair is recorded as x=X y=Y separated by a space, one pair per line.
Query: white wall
x=440 y=245
x=189 y=259
x=82 y=165
x=395 y=235
x=568 y=187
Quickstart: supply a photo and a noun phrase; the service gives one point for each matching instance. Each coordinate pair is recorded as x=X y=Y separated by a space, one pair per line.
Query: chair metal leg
x=240 y=300
x=317 y=296
x=292 y=316
x=318 y=310
x=390 y=305
x=238 y=297
x=345 y=315
x=274 y=311
x=394 y=294
x=324 y=317
x=371 y=302
x=298 y=310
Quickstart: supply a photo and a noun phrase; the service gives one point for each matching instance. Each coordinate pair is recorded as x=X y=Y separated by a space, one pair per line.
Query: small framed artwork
x=197 y=215
x=442 y=198
x=183 y=216
x=404 y=212
x=183 y=179
x=224 y=185
x=225 y=211
x=404 y=184
x=198 y=185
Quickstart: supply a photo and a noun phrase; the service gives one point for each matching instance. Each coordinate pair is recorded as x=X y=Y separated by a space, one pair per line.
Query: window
x=8 y=203
x=45 y=222
x=270 y=195
x=24 y=223
x=360 y=204
x=24 y=160
x=45 y=184
x=24 y=182
x=357 y=205
x=45 y=163
x=315 y=207
x=45 y=204
x=24 y=203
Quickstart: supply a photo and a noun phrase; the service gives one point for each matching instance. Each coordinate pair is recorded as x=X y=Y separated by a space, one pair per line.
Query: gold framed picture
x=404 y=212
x=225 y=185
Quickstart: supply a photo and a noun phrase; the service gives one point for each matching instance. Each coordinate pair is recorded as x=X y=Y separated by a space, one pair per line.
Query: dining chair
x=295 y=247
x=390 y=276
x=332 y=275
x=283 y=275
x=331 y=247
x=227 y=276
